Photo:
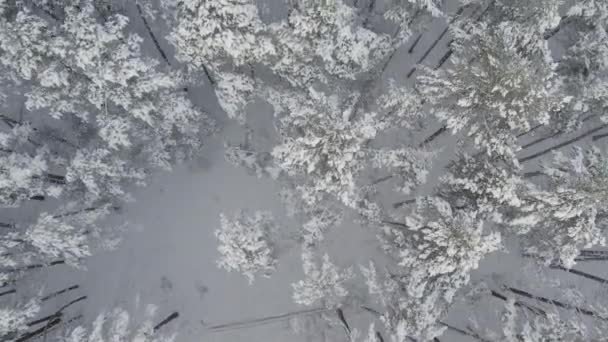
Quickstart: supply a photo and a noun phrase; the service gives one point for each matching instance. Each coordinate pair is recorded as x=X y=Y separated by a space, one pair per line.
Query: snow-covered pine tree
x=323 y=281
x=435 y=251
x=319 y=145
x=93 y=75
x=486 y=93
x=485 y=184
x=550 y=327
x=246 y=245
x=567 y=214
x=24 y=174
x=584 y=65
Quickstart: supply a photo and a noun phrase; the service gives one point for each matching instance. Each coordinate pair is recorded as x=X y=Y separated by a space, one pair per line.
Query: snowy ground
x=169 y=258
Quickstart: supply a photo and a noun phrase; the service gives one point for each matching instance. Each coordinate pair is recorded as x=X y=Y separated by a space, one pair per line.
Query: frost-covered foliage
x=25 y=174
x=234 y=92
x=549 y=327
x=483 y=184
x=326 y=33
x=68 y=235
x=13 y=320
x=409 y=16
x=410 y=165
x=487 y=93
x=103 y=105
x=217 y=32
x=245 y=243
x=436 y=249
x=55 y=238
x=402 y=105
x=323 y=281
x=320 y=146
x=535 y=18
x=22 y=177
x=101 y=174
x=94 y=75
x=258 y=163
x=316 y=219
x=569 y=214
x=116 y=326
x=326 y=150
x=442 y=243
x=585 y=63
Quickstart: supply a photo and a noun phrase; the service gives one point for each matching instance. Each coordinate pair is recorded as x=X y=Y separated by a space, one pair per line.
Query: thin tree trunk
x=382 y=179
x=531 y=308
x=393 y=223
x=563 y=144
x=6 y=225
x=40 y=331
x=264 y=320
x=57 y=313
x=373 y=311
x=411 y=72
x=160 y=49
x=71 y=213
x=60 y=292
x=599 y=136
x=551 y=136
x=402 y=203
x=79 y=299
x=539 y=140
x=557 y=303
x=581 y=274
x=428 y=51
x=7 y=292
x=165 y=321
x=444 y=59
x=533 y=174
x=343 y=320
x=411 y=49
x=530 y=130
x=34 y=266
x=57 y=179
x=450 y=51
x=464 y=332
x=151 y=34
x=433 y=136
x=587 y=259
x=208 y=75
x=585 y=255
x=593 y=252
x=65 y=323
x=43 y=319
